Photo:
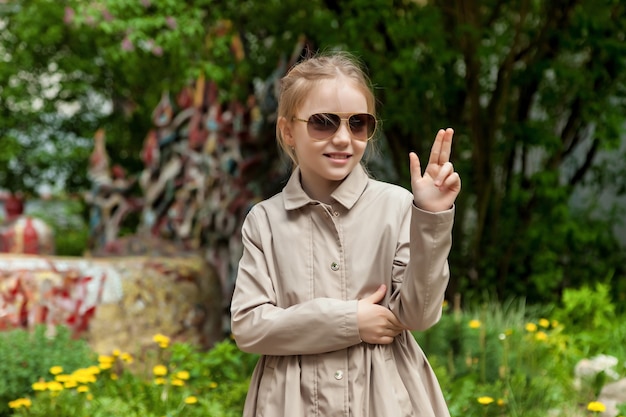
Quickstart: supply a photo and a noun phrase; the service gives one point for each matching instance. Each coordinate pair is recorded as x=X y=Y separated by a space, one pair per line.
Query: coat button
x=338 y=375
x=336 y=214
x=334 y=266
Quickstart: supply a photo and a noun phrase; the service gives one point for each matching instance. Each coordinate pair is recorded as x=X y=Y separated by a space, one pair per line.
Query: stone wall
x=114 y=303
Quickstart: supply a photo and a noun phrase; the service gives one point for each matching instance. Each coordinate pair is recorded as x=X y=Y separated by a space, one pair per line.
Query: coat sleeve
x=260 y=326
x=420 y=270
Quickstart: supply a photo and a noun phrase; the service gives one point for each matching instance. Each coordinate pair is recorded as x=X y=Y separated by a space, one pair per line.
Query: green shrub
x=170 y=380
x=28 y=356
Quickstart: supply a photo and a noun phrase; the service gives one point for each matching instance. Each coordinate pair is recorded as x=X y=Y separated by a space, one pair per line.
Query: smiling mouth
x=337 y=156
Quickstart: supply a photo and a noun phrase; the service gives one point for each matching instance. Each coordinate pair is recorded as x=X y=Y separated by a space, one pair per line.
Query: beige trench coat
x=305 y=266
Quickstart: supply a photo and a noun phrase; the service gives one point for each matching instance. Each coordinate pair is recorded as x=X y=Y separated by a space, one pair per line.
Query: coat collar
x=346 y=194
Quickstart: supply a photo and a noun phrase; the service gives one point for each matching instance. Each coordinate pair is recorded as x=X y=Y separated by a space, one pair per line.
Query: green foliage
x=496 y=359
x=28 y=356
x=509 y=359
x=591 y=318
x=173 y=381
x=534 y=90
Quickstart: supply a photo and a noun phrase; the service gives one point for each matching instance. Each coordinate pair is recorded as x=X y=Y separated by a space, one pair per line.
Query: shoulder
x=266 y=208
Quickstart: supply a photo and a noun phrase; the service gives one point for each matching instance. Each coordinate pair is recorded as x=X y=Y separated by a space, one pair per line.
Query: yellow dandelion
x=191 y=400
x=485 y=400
x=159 y=370
x=184 y=375
x=161 y=340
x=596 y=407
x=105 y=366
x=54 y=386
x=474 y=324
x=70 y=384
x=55 y=370
x=40 y=386
x=82 y=388
x=126 y=357
x=114 y=377
x=501 y=402
x=116 y=353
x=541 y=336
x=63 y=377
x=213 y=385
x=545 y=323
x=84 y=378
x=178 y=382
x=531 y=327
x=554 y=323
x=20 y=402
x=89 y=397
x=92 y=370
x=159 y=381
x=105 y=359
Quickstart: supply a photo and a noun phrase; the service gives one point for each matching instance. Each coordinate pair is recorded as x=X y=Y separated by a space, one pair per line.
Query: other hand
x=377 y=324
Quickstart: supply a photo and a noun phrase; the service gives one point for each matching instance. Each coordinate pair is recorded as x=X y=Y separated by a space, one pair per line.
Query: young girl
x=338 y=268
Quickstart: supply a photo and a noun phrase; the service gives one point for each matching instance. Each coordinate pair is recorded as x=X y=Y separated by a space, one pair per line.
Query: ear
x=285 y=129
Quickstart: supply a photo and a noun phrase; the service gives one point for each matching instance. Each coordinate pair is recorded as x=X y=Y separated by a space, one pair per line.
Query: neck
x=320 y=191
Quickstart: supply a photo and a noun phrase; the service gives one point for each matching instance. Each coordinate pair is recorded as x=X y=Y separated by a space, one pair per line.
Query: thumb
x=377 y=296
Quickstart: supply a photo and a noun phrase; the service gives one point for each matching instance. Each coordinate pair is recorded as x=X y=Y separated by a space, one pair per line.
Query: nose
x=342 y=136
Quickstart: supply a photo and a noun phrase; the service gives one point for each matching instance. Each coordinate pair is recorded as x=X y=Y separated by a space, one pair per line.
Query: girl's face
x=325 y=163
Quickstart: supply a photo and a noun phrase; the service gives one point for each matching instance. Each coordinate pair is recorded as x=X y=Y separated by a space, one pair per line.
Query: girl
x=338 y=268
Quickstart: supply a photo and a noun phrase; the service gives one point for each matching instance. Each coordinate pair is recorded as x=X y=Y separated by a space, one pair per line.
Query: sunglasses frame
x=341 y=119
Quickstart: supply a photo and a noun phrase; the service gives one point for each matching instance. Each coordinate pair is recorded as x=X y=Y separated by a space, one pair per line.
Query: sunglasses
x=322 y=126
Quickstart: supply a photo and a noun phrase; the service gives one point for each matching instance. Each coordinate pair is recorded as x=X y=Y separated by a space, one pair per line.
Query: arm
x=420 y=270
x=260 y=326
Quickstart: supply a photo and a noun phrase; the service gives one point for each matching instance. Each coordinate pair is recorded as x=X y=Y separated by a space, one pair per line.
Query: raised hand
x=438 y=188
x=377 y=324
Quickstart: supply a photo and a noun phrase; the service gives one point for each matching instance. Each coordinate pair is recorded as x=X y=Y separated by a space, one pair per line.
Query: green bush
x=170 y=380
x=27 y=357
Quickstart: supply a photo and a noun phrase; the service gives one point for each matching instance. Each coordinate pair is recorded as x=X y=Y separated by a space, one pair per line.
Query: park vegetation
x=536 y=93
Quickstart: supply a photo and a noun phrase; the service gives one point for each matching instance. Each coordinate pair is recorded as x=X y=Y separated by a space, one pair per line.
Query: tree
x=535 y=90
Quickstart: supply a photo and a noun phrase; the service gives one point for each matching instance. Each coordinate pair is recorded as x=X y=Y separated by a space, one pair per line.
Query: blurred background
x=534 y=90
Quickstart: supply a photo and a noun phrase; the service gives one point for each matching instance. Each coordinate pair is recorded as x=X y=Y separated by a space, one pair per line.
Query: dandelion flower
x=54 y=386
x=541 y=336
x=161 y=340
x=159 y=370
x=55 y=370
x=83 y=388
x=485 y=400
x=70 y=384
x=40 y=386
x=474 y=324
x=184 y=375
x=178 y=382
x=126 y=357
x=545 y=323
x=191 y=400
x=596 y=407
x=213 y=385
x=531 y=327
x=159 y=381
x=20 y=402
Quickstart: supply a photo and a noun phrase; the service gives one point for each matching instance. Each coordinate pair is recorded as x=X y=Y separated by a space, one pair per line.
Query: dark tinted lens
x=323 y=125
x=362 y=125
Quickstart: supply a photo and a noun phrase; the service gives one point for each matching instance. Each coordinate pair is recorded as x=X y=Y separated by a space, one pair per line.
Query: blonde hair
x=304 y=76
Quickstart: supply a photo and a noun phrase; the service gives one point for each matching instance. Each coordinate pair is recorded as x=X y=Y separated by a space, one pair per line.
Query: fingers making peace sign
x=437 y=189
